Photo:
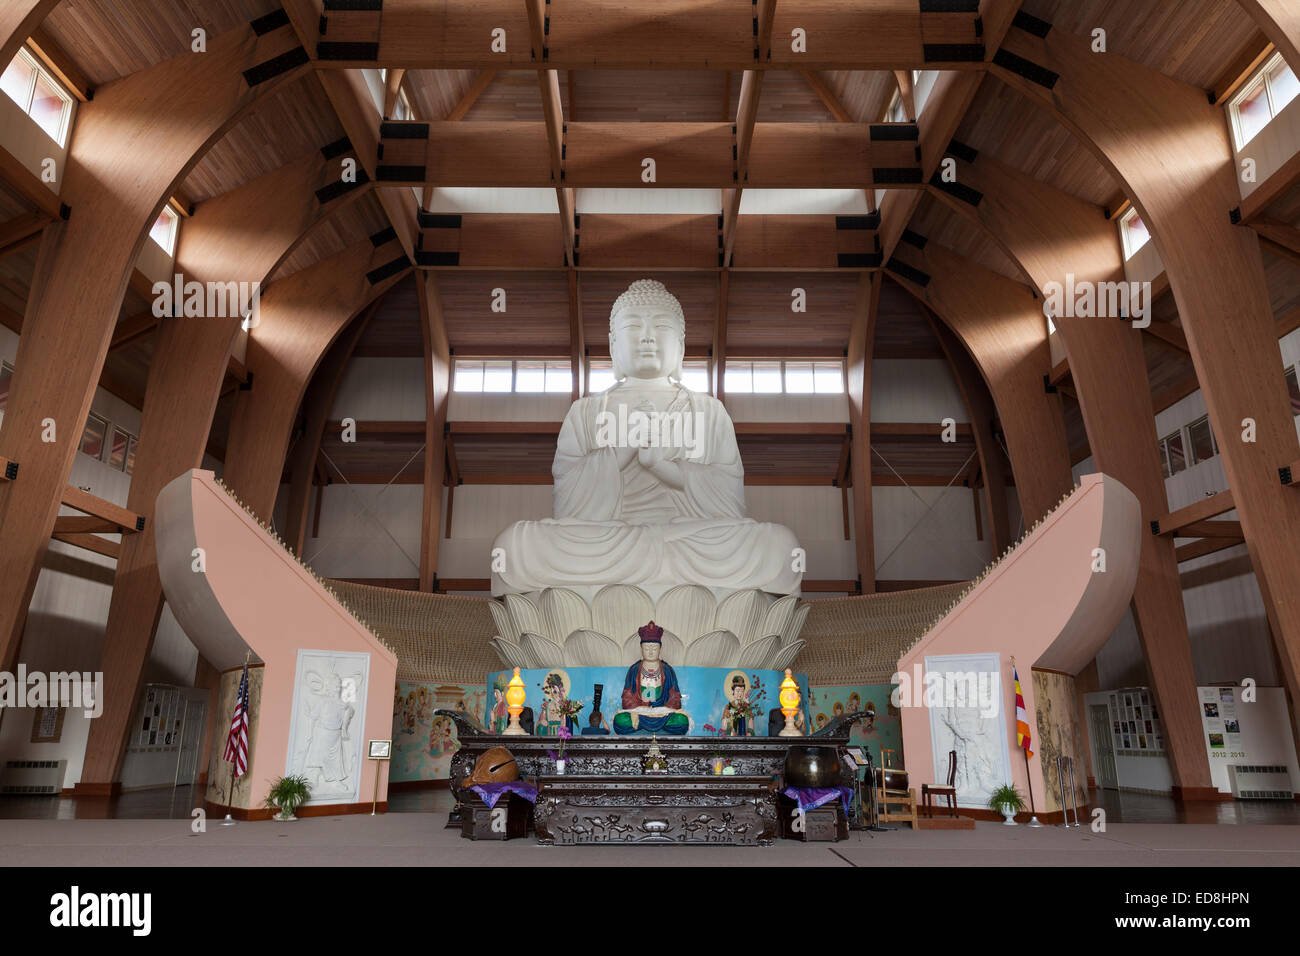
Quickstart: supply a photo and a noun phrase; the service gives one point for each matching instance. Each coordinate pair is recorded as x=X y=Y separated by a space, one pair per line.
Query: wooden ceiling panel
x=938 y=224
x=1190 y=40
x=902 y=327
x=435 y=93
x=512 y=95
x=802 y=455
x=536 y=316
x=1004 y=124
x=112 y=40
x=394 y=330
x=1165 y=366
x=922 y=455
x=759 y=311
x=864 y=94
x=293 y=122
x=332 y=235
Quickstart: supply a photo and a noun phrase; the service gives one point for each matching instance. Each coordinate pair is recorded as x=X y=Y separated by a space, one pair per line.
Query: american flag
x=237 y=741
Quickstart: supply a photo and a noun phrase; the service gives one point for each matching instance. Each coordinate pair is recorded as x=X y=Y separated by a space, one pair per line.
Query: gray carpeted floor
x=420 y=839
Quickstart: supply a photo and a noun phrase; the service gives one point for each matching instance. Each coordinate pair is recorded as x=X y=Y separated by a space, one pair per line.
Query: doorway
x=1103 y=750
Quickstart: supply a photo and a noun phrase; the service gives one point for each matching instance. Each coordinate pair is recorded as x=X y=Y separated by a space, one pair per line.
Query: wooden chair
x=894 y=799
x=949 y=789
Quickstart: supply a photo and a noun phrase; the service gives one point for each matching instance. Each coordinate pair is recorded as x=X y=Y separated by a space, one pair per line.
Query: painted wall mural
x=1059 y=735
x=883 y=733
x=219 y=789
x=423 y=744
x=713 y=698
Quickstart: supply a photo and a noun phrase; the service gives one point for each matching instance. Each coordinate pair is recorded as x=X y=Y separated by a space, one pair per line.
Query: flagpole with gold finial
x=229 y=821
x=1029 y=780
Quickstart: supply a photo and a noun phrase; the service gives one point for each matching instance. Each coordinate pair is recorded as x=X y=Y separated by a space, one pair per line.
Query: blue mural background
x=704 y=695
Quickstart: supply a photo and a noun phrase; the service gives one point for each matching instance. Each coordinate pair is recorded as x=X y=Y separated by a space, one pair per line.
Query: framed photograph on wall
x=47 y=725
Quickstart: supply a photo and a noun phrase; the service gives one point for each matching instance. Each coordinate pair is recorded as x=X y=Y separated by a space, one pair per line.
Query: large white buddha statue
x=649 y=486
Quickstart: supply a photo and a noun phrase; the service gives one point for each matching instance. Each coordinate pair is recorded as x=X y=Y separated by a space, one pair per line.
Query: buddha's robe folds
x=629 y=527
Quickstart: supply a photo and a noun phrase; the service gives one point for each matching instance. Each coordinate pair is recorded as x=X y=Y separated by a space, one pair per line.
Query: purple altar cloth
x=809 y=799
x=492 y=792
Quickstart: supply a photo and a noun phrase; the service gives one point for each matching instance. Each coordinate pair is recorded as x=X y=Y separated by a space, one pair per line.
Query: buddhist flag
x=1022 y=718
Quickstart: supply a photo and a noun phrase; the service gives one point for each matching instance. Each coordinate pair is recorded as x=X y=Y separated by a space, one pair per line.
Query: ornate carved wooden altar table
x=656 y=808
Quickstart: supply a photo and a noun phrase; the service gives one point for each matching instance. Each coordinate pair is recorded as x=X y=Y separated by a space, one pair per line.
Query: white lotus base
x=559 y=627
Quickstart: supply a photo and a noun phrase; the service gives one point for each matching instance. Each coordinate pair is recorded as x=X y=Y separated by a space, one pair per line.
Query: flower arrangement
x=565 y=734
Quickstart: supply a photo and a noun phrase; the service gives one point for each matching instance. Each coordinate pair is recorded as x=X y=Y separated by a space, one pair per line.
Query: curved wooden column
x=1051 y=234
x=133 y=144
x=1170 y=149
x=239 y=236
x=857 y=366
x=18 y=20
x=981 y=412
x=316 y=406
x=437 y=389
x=1002 y=325
x=301 y=316
x=1280 y=21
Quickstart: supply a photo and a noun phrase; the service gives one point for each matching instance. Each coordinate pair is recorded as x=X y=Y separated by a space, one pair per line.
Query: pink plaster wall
x=1043 y=605
x=254 y=588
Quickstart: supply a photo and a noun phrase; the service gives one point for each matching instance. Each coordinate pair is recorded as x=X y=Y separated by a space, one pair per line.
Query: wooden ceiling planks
x=294 y=122
x=111 y=40
x=1189 y=40
x=759 y=313
x=536 y=311
x=365 y=217
x=1002 y=123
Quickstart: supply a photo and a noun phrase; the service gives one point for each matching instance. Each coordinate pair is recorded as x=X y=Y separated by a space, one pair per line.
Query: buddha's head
x=647 y=332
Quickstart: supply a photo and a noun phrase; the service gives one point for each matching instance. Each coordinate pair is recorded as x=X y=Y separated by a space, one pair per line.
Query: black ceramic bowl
x=812 y=767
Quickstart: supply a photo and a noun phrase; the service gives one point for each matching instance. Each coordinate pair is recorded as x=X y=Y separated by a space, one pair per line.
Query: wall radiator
x=32 y=777
x=1259 y=782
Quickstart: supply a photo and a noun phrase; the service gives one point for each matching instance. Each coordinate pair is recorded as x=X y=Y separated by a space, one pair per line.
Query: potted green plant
x=287 y=795
x=1007 y=801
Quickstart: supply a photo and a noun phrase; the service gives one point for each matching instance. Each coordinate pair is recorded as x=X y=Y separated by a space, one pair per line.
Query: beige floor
x=420 y=839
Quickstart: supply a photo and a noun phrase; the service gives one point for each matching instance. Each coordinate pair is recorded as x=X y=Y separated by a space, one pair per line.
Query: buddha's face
x=645 y=342
x=738 y=693
x=650 y=651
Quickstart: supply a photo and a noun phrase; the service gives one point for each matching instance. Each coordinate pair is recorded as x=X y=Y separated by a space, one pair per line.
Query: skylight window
x=163 y=231
x=1262 y=99
x=1134 y=232
x=529 y=376
x=39 y=95
x=791 y=378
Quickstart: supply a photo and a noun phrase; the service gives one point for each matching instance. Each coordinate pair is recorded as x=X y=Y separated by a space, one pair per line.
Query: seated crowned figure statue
x=649 y=486
x=652 y=699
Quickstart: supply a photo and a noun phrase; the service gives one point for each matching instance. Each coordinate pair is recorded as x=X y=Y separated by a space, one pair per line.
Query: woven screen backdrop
x=444 y=638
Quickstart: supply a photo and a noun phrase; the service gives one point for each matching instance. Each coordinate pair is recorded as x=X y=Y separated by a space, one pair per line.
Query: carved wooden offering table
x=656 y=808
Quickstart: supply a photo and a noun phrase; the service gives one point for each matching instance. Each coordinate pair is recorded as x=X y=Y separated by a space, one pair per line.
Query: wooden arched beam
x=437 y=389
x=1001 y=323
x=19 y=20
x=239 y=236
x=316 y=405
x=857 y=367
x=246 y=233
x=133 y=145
x=1280 y=21
x=301 y=317
x=1050 y=235
x=981 y=412
x=1169 y=148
